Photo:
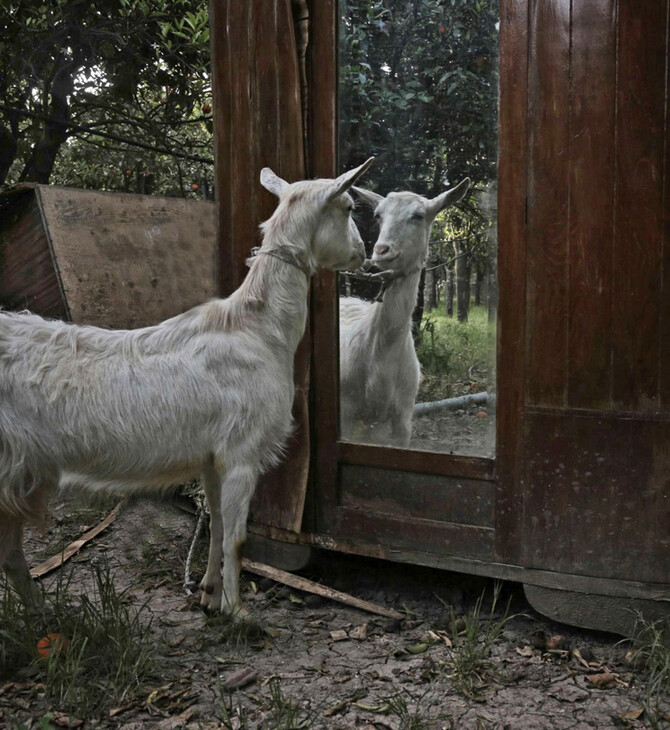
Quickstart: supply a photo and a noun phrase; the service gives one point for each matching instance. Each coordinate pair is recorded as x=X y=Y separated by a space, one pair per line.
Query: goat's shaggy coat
x=379 y=369
x=208 y=392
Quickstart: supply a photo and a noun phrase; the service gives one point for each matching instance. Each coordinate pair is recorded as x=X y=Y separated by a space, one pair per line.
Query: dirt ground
x=325 y=665
x=467 y=432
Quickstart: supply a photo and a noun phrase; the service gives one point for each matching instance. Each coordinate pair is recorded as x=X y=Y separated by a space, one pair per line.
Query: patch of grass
x=283 y=713
x=652 y=656
x=101 y=652
x=238 y=632
x=455 y=354
x=469 y=657
x=230 y=711
x=409 y=718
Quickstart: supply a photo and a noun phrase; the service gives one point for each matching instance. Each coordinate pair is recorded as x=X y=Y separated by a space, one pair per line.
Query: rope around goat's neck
x=285 y=255
x=384 y=278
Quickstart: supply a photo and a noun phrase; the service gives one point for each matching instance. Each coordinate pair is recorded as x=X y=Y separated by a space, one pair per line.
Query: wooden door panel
x=591 y=203
x=640 y=208
x=597 y=495
x=548 y=202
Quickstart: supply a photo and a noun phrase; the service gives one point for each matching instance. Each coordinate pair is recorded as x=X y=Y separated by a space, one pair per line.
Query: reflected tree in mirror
x=418 y=89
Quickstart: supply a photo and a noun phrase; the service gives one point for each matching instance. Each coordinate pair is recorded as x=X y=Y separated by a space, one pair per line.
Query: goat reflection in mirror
x=379 y=369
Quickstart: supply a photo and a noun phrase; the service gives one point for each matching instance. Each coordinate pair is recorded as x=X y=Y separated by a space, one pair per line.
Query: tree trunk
x=462 y=284
x=55 y=133
x=417 y=314
x=8 y=149
x=479 y=286
x=449 y=293
x=429 y=293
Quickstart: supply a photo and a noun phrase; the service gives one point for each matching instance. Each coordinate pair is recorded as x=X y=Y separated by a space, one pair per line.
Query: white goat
x=208 y=392
x=379 y=369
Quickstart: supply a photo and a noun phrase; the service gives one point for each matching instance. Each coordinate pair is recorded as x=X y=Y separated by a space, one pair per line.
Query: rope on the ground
x=190 y=586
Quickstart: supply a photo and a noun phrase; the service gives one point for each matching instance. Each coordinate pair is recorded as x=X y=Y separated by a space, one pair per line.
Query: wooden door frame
x=329 y=452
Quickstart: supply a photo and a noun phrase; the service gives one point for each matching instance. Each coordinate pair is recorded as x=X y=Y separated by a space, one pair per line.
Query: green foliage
x=652 y=656
x=134 y=69
x=106 y=645
x=418 y=89
x=469 y=657
x=455 y=356
x=285 y=713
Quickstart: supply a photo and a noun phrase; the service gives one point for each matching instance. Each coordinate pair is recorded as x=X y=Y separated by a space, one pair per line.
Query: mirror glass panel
x=418 y=90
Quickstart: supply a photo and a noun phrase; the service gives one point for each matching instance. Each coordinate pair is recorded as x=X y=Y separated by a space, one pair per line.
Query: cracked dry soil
x=321 y=664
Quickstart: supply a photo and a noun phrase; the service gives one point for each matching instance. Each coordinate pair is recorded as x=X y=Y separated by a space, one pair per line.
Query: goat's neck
x=394 y=313
x=282 y=288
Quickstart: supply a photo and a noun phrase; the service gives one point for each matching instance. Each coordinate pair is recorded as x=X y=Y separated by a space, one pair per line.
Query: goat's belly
x=132 y=481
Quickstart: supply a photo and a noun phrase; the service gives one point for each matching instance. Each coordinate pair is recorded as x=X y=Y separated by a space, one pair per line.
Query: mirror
x=418 y=89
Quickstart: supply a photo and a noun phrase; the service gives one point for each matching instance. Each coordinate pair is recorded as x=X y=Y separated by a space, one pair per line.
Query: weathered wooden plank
x=591 y=187
x=512 y=187
x=548 y=202
x=640 y=119
x=322 y=134
x=597 y=500
x=129 y=260
x=28 y=278
x=416 y=461
x=443 y=538
x=255 y=69
x=417 y=496
x=664 y=329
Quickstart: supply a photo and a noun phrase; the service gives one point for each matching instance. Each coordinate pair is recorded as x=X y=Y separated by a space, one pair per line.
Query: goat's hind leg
x=212 y=585
x=13 y=562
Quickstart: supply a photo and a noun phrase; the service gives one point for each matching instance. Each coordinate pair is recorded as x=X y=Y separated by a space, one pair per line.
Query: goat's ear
x=372 y=199
x=273 y=182
x=345 y=181
x=449 y=197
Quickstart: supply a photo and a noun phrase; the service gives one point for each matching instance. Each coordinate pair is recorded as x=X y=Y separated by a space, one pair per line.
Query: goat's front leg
x=237 y=490
x=211 y=585
x=13 y=562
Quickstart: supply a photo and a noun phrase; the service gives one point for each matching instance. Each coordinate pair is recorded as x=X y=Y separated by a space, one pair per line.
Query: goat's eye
x=377 y=216
x=417 y=216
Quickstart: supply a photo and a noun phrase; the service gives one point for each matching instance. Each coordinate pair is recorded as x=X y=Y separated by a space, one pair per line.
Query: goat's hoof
x=205 y=588
x=237 y=612
x=210 y=600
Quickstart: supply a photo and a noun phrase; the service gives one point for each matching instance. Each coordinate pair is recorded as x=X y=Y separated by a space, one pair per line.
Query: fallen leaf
x=339 y=635
x=360 y=633
x=578 y=656
x=557 y=641
x=526 y=651
x=177 y=722
x=604 y=680
x=417 y=648
x=381 y=709
x=481 y=414
x=118 y=710
x=240 y=678
x=633 y=714
x=63 y=720
x=342 y=705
